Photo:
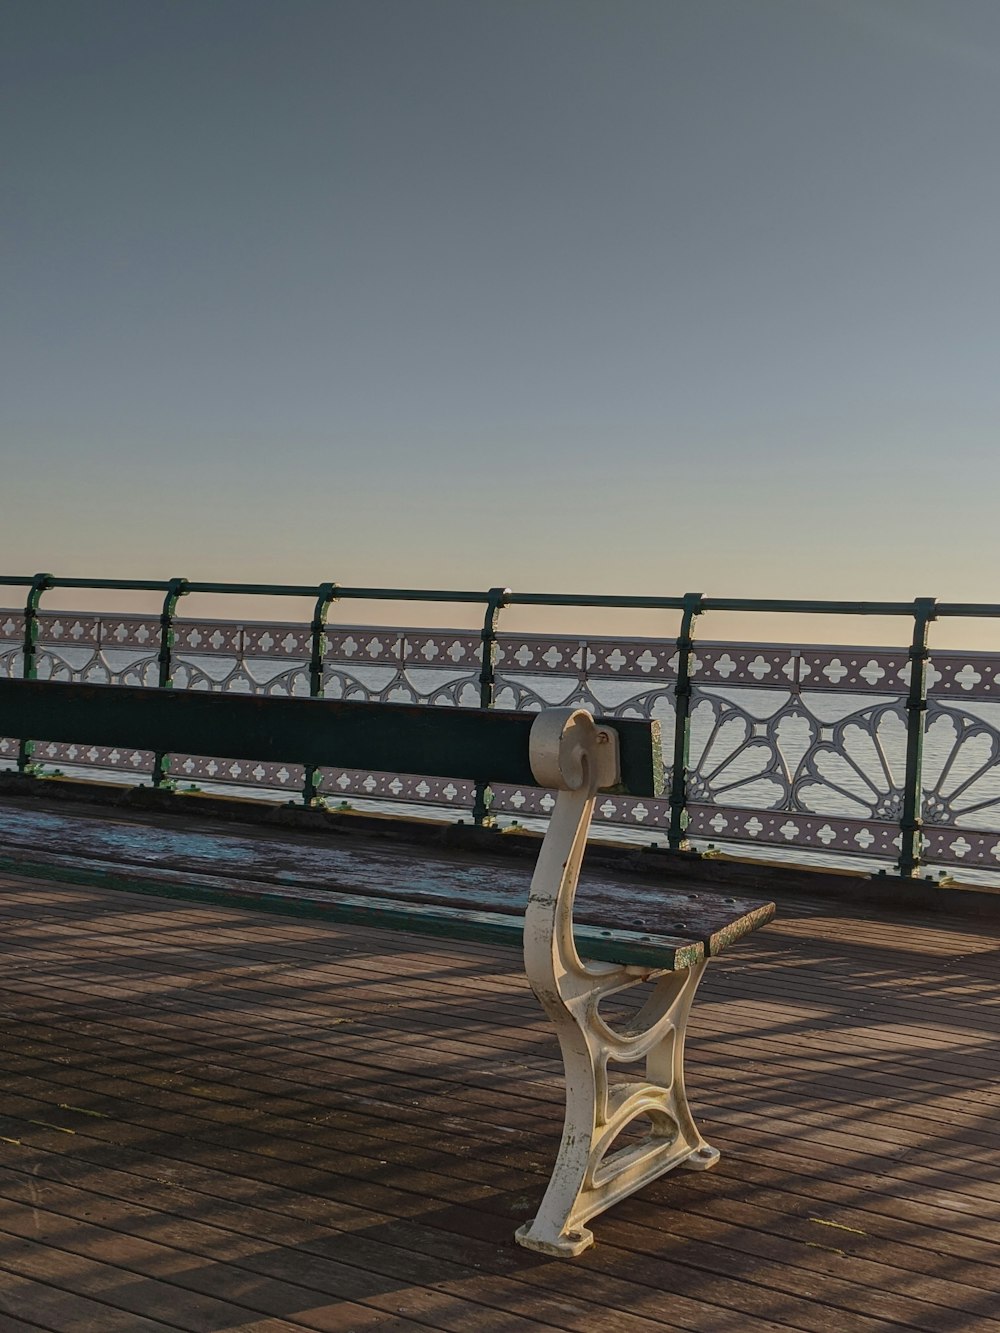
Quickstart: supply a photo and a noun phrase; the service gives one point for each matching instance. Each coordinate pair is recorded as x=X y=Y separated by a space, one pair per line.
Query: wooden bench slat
x=662 y=953
x=484 y=745
x=602 y=901
x=716 y=920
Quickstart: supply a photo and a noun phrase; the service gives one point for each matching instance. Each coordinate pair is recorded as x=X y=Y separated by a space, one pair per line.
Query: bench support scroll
x=573 y=754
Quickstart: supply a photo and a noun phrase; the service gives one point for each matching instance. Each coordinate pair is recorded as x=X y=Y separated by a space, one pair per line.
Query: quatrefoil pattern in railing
x=403 y=666
x=794 y=747
x=118 y=650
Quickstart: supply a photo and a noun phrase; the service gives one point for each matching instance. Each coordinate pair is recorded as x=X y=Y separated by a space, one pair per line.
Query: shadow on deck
x=217 y=1120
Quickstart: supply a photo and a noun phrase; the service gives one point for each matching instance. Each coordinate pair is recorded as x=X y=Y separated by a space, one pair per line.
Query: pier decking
x=217 y=1120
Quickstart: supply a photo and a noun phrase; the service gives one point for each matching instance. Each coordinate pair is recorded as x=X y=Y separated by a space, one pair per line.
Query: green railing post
x=496 y=600
x=677 y=838
x=176 y=589
x=326 y=594
x=911 y=824
x=29 y=657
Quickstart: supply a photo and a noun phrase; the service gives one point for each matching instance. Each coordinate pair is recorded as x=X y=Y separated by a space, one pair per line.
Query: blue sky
x=631 y=296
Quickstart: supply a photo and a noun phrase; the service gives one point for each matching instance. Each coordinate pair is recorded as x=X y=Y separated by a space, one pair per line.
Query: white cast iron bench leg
x=571 y=753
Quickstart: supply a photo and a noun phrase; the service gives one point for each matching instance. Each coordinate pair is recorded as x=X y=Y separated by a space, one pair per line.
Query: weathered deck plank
x=290 y=1124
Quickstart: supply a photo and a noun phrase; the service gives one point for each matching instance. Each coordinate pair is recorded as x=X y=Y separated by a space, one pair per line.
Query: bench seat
x=465 y=897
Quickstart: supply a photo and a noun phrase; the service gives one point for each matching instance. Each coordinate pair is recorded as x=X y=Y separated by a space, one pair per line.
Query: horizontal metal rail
x=639 y=602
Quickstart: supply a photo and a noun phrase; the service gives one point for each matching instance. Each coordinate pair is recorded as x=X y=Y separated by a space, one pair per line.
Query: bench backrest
x=474 y=743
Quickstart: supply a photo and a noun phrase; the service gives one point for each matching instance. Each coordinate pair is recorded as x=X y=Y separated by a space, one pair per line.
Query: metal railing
x=921 y=612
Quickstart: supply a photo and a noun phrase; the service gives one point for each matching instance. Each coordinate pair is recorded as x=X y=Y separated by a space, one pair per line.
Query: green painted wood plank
x=479 y=744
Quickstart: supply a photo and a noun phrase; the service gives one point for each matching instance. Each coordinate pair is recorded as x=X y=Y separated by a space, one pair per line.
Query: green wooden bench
x=573 y=965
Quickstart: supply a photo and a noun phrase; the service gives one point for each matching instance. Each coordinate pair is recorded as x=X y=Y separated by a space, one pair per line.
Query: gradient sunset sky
x=623 y=296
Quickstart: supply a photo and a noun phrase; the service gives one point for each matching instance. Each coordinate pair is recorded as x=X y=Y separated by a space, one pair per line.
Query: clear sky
x=573 y=295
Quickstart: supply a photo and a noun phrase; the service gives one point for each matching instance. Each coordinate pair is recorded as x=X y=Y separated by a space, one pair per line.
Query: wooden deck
x=214 y=1120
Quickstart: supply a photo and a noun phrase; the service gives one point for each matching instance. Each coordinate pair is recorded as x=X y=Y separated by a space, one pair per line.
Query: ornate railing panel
x=797 y=748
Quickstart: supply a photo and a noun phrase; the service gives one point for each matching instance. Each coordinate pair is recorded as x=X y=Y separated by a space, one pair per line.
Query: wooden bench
x=573 y=965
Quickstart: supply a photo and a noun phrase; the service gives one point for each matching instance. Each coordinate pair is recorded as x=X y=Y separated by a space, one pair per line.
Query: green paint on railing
x=326 y=594
x=795 y=606
x=496 y=601
x=176 y=589
x=38 y=584
x=911 y=824
x=677 y=835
